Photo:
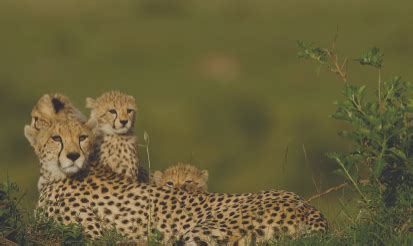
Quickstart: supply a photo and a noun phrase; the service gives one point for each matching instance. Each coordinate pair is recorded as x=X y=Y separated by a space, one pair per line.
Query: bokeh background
x=218 y=83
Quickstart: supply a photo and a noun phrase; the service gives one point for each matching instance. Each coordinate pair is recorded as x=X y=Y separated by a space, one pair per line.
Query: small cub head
x=183 y=176
x=113 y=111
x=63 y=148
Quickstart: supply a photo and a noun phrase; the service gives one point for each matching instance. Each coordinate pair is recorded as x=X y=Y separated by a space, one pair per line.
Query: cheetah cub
x=116 y=145
x=183 y=176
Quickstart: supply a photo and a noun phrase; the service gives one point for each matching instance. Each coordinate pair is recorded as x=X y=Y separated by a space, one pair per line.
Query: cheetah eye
x=188 y=181
x=112 y=111
x=170 y=183
x=82 y=138
x=57 y=138
x=35 y=123
x=129 y=110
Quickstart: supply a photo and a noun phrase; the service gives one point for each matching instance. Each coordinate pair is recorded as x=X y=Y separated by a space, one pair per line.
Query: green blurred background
x=218 y=83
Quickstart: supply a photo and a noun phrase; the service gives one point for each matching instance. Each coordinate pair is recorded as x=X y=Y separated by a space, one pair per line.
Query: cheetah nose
x=124 y=122
x=73 y=156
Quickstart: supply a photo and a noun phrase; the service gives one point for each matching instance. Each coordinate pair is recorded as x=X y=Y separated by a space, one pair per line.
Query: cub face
x=114 y=112
x=63 y=148
x=183 y=176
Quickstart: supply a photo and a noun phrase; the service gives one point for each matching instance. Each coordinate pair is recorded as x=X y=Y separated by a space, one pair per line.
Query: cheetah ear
x=157 y=178
x=132 y=98
x=58 y=105
x=204 y=174
x=91 y=123
x=90 y=102
x=134 y=102
x=30 y=133
x=44 y=108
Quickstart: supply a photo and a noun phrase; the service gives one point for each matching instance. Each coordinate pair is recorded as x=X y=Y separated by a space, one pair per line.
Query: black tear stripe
x=113 y=124
x=57 y=105
x=81 y=149
x=60 y=152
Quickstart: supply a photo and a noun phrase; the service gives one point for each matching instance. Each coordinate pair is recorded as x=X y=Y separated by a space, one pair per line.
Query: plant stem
x=308 y=166
x=383 y=149
x=149 y=158
x=335 y=188
x=351 y=179
x=379 y=85
x=149 y=229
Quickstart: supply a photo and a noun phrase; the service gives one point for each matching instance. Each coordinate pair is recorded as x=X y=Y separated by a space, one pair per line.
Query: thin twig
x=285 y=159
x=308 y=166
x=149 y=229
x=379 y=86
x=340 y=69
x=6 y=242
x=335 y=188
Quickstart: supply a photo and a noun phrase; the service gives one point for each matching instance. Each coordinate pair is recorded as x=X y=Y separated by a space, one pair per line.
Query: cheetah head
x=183 y=176
x=113 y=111
x=52 y=108
x=63 y=148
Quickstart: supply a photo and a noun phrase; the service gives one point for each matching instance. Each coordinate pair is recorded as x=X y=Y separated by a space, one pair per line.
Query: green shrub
x=381 y=132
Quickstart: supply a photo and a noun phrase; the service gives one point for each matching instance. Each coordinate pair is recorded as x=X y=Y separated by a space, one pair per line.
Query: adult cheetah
x=49 y=109
x=99 y=200
x=116 y=145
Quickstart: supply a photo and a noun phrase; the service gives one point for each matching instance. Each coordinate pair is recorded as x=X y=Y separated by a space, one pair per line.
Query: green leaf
x=308 y=51
x=399 y=153
x=372 y=57
x=378 y=168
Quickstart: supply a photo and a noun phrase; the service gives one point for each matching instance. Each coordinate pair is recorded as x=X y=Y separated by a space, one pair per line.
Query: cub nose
x=73 y=156
x=124 y=122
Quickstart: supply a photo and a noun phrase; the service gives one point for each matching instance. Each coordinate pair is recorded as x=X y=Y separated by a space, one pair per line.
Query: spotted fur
x=99 y=200
x=116 y=144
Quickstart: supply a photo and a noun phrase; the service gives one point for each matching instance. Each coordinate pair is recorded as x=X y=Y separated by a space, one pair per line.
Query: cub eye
x=129 y=110
x=57 y=138
x=188 y=181
x=112 y=111
x=170 y=183
x=82 y=138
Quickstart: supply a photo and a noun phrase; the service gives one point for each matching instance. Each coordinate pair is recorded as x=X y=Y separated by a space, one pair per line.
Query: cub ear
x=204 y=174
x=30 y=133
x=90 y=102
x=157 y=177
x=91 y=123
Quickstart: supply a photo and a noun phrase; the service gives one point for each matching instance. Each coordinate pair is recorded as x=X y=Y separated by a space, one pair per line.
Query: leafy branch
x=381 y=130
x=373 y=57
x=327 y=57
